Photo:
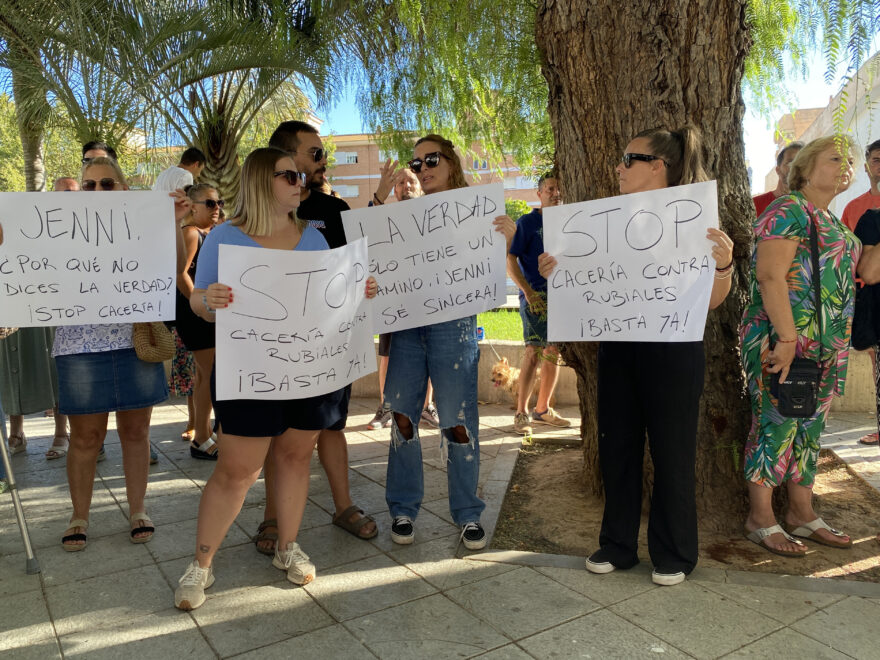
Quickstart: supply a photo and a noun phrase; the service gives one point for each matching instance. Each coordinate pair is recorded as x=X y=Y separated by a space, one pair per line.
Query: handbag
x=5 y=332
x=798 y=394
x=153 y=342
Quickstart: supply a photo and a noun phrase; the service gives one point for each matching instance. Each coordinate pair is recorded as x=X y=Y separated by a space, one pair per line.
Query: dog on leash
x=507 y=376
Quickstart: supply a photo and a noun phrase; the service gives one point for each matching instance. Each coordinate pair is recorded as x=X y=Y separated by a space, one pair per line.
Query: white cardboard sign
x=632 y=268
x=436 y=258
x=299 y=325
x=71 y=258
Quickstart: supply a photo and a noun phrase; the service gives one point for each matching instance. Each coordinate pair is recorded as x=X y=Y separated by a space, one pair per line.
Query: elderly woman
x=98 y=373
x=779 y=324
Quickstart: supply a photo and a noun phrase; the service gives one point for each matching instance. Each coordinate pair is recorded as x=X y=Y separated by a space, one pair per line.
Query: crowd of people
x=802 y=283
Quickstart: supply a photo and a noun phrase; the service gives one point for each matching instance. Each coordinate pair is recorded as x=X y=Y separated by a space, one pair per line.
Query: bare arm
x=722 y=252
x=774 y=261
x=191 y=243
x=869 y=264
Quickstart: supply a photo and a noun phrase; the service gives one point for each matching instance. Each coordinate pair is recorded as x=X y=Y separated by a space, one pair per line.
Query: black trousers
x=653 y=388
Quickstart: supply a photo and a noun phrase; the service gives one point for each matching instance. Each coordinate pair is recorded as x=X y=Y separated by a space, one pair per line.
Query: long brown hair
x=253 y=213
x=456 y=173
x=681 y=151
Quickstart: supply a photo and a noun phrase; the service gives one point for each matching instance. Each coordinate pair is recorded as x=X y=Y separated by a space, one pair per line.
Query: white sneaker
x=473 y=536
x=595 y=564
x=191 y=592
x=667 y=579
x=296 y=562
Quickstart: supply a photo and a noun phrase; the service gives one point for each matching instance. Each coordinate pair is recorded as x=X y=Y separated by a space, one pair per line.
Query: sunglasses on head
x=629 y=158
x=293 y=178
x=211 y=204
x=430 y=161
x=317 y=154
x=104 y=184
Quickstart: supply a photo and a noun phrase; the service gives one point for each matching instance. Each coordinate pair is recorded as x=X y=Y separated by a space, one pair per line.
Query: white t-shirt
x=172 y=179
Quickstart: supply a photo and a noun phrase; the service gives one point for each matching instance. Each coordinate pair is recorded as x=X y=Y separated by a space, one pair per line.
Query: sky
x=344 y=118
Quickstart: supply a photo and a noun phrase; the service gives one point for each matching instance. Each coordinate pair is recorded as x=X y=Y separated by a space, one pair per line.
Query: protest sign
x=632 y=268
x=436 y=258
x=72 y=258
x=299 y=325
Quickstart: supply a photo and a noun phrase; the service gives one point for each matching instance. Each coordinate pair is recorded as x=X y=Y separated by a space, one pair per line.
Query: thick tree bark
x=615 y=69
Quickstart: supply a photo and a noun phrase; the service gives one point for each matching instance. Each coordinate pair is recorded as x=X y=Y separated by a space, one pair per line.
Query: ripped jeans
x=448 y=354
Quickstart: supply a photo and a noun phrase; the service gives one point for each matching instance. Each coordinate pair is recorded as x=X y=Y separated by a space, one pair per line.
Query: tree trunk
x=222 y=169
x=613 y=70
x=31 y=111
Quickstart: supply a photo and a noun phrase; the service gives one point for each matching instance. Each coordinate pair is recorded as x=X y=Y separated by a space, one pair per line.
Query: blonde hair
x=681 y=151
x=456 y=173
x=106 y=161
x=253 y=212
x=802 y=166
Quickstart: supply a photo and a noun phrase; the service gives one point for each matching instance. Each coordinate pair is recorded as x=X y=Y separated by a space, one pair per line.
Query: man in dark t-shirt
x=324 y=212
x=522 y=267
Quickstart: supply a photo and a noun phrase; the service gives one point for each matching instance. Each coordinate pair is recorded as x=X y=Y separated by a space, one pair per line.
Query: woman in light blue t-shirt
x=265 y=217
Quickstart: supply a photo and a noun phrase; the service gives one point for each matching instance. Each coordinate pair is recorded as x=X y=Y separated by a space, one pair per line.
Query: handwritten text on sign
x=86 y=257
x=299 y=325
x=437 y=258
x=632 y=268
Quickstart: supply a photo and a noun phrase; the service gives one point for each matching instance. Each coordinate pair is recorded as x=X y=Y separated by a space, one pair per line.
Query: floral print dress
x=780 y=448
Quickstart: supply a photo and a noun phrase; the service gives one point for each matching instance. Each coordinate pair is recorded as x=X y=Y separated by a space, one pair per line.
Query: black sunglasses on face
x=293 y=178
x=317 y=154
x=211 y=204
x=430 y=161
x=629 y=158
x=104 y=184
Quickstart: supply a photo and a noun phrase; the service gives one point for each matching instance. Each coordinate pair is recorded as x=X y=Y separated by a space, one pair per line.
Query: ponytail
x=681 y=150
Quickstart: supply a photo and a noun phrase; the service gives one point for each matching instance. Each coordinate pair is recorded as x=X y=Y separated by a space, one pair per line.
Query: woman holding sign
x=265 y=218
x=653 y=388
x=780 y=326
x=448 y=354
x=98 y=373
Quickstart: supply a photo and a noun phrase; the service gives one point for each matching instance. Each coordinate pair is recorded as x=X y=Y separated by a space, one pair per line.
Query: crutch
x=32 y=565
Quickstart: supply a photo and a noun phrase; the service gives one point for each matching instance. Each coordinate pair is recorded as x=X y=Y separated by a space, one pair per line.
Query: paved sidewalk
x=375 y=599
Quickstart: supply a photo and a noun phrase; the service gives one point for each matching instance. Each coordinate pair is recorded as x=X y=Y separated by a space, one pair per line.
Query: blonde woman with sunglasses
x=249 y=429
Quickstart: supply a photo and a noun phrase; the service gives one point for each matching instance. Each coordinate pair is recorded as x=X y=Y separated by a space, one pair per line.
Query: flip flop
x=56 y=451
x=342 y=520
x=870 y=439
x=808 y=531
x=20 y=447
x=759 y=535
x=187 y=436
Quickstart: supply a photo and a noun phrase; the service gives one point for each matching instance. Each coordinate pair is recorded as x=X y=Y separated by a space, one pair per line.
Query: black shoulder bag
x=798 y=394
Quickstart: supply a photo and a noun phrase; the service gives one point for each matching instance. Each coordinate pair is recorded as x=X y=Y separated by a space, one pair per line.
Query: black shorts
x=258 y=418
x=385 y=344
x=195 y=332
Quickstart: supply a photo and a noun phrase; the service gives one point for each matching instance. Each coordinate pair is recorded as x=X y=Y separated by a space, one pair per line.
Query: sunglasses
x=293 y=178
x=629 y=158
x=104 y=184
x=430 y=161
x=317 y=154
x=211 y=204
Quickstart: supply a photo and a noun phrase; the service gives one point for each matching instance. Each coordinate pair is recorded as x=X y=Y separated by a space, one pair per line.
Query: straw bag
x=152 y=341
x=5 y=332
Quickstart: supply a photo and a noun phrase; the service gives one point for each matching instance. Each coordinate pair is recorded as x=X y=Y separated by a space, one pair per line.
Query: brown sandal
x=343 y=521
x=263 y=535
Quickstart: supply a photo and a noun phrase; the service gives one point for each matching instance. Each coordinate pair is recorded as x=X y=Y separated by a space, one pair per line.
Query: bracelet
x=726 y=268
x=723 y=274
x=786 y=341
x=376 y=199
x=210 y=309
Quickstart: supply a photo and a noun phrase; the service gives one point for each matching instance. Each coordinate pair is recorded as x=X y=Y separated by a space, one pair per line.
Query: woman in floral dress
x=779 y=324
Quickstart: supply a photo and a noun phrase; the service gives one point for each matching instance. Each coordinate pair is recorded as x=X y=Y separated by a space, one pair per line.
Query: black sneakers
x=402 y=531
x=473 y=536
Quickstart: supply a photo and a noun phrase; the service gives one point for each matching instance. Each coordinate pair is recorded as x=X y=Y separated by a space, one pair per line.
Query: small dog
x=506 y=376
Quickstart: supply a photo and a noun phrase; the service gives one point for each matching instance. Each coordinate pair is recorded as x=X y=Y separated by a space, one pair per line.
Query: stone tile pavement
x=374 y=599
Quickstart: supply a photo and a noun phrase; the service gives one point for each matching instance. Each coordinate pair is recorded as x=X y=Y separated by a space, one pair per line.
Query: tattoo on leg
x=204 y=548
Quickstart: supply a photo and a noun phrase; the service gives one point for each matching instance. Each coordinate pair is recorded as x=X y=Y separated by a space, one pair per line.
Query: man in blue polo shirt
x=522 y=266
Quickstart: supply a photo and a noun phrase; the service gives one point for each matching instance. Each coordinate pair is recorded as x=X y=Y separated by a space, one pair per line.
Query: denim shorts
x=90 y=383
x=534 y=326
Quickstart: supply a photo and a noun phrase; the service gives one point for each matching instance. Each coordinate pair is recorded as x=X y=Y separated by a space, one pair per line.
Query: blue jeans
x=448 y=354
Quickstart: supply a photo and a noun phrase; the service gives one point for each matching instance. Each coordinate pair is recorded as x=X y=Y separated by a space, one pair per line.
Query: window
x=481 y=165
x=510 y=183
x=346 y=158
x=348 y=192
